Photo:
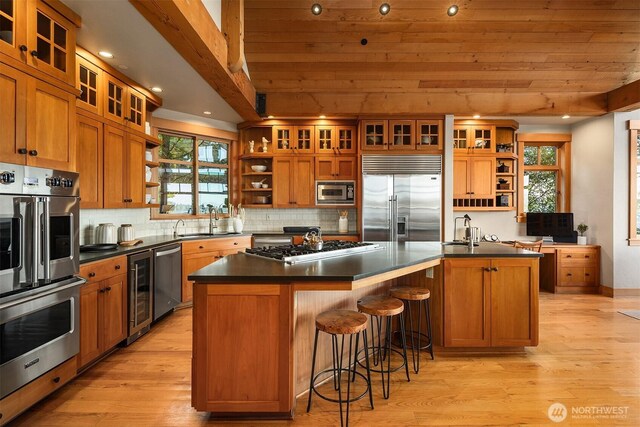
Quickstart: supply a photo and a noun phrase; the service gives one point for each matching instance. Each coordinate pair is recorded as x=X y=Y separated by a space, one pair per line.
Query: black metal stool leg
x=385 y=390
x=313 y=366
x=404 y=347
x=366 y=358
x=427 y=304
x=355 y=357
x=348 y=382
x=334 y=361
x=413 y=345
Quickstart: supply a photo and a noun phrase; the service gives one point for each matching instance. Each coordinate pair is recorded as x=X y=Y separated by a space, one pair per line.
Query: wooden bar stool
x=334 y=323
x=408 y=295
x=379 y=306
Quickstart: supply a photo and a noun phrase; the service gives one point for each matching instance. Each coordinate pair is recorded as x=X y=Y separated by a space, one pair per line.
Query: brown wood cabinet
x=123 y=104
x=293 y=181
x=89 y=79
x=124 y=171
x=103 y=308
x=491 y=302
x=374 y=134
x=474 y=139
x=402 y=135
x=336 y=167
x=36 y=34
x=41 y=122
x=200 y=253
x=429 y=135
x=90 y=155
x=474 y=180
x=570 y=268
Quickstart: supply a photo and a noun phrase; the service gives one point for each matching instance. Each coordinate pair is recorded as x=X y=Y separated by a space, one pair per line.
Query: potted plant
x=582 y=228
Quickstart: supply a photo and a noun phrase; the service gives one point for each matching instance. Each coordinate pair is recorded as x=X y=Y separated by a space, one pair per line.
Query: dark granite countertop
x=242 y=268
x=324 y=233
x=148 y=242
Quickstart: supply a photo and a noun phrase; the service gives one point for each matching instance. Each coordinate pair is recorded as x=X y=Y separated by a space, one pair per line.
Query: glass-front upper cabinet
x=346 y=139
x=325 y=139
x=282 y=139
x=89 y=81
x=374 y=134
x=114 y=98
x=304 y=139
x=8 y=27
x=135 y=109
x=401 y=134
x=429 y=135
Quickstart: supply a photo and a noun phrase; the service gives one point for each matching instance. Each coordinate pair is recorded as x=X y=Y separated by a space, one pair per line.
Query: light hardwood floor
x=589 y=356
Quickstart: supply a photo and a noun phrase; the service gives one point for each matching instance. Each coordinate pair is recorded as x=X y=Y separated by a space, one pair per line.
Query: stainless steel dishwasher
x=167 y=261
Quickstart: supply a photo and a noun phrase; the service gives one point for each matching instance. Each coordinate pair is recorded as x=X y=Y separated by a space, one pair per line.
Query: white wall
x=592 y=186
x=626 y=265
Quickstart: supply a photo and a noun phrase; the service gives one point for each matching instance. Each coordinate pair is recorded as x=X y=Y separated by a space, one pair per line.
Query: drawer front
x=578 y=257
x=577 y=276
x=219 y=244
x=100 y=270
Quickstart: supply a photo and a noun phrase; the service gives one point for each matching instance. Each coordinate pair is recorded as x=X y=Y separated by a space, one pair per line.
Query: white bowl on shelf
x=256 y=184
x=258 y=168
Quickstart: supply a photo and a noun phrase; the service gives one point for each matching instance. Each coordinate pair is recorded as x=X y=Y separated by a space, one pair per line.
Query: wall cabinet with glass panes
x=485 y=158
x=34 y=33
x=402 y=135
x=193 y=175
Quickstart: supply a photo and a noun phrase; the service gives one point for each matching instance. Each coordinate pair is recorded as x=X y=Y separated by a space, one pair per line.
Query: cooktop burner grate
x=292 y=254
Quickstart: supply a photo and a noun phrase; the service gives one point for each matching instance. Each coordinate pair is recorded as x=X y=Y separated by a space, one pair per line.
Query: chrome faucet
x=175 y=227
x=213 y=214
x=467 y=224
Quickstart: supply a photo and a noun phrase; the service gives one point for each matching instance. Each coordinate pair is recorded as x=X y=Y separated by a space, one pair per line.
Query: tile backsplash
x=257 y=220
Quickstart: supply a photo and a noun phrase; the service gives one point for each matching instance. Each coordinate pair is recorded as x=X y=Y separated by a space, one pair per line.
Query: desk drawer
x=578 y=257
x=577 y=276
x=100 y=270
x=217 y=244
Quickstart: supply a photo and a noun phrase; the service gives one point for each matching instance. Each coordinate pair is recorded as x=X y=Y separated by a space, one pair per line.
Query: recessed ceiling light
x=105 y=54
x=123 y=67
x=269 y=116
x=384 y=8
x=453 y=9
x=316 y=9
x=566 y=116
x=322 y=116
x=476 y=116
x=208 y=113
x=156 y=89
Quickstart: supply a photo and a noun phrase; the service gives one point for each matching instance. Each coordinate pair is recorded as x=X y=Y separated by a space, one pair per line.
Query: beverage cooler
x=140 y=294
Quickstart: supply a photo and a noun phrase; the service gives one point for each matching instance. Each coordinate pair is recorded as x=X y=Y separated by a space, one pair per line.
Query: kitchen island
x=253 y=318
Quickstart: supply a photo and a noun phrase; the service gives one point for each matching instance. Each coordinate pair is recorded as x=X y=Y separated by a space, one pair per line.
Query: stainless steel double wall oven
x=39 y=286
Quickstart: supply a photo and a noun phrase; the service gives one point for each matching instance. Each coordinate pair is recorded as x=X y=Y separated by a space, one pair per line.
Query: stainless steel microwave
x=336 y=193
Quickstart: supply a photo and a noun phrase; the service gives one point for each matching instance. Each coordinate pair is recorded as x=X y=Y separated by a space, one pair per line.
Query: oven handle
x=77 y=282
x=135 y=295
x=35 y=240
x=46 y=247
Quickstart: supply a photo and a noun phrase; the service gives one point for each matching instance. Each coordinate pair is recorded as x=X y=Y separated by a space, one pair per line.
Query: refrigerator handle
x=395 y=218
x=390 y=213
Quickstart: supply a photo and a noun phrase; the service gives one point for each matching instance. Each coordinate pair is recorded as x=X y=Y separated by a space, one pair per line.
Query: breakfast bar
x=253 y=318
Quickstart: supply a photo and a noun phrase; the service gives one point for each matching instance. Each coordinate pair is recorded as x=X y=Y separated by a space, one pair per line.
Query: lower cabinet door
x=114 y=311
x=90 y=338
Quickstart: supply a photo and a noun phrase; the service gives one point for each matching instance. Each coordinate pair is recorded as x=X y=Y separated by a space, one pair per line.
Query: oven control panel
x=7 y=177
x=56 y=181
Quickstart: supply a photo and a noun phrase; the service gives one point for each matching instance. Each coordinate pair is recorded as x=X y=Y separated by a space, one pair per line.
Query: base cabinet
x=200 y=253
x=491 y=302
x=103 y=308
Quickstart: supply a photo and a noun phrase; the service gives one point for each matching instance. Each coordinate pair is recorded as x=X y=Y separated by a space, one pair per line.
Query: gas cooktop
x=292 y=254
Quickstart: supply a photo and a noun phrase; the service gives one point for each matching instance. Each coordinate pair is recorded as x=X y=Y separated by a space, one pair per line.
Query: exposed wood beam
x=340 y=104
x=624 y=98
x=233 y=30
x=188 y=27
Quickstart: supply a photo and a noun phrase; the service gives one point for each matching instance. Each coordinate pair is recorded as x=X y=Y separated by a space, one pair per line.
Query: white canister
x=238 y=225
x=125 y=233
x=343 y=224
x=106 y=233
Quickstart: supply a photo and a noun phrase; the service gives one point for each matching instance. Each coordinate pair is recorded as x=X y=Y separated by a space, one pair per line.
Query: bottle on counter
x=343 y=222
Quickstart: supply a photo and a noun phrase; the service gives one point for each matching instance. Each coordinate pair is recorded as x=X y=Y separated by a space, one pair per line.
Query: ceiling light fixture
x=105 y=54
x=208 y=113
x=316 y=9
x=566 y=116
x=384 y=8
x=156 y=89
x=269 y=116
x=476 y=116
x=453 y=10
x=322 y=116
x=123 y=67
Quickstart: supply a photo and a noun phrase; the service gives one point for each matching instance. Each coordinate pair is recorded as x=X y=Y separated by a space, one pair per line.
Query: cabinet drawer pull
x=201 y=247
x=586 y=274
x=33 y=152
x=92 y=274
x=235 y=243
x=568 y=256
x=34 y=53
x=108 y=288
x=118 y=267
x=56 y=380
x=494 y=269
x=569 y=274
x=102 y=291
x=586 y=256
x=23 y=48
x=486 y=269
x=22 y=151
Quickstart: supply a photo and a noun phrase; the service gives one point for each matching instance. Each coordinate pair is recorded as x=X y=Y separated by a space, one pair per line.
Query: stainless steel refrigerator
x=401 y=198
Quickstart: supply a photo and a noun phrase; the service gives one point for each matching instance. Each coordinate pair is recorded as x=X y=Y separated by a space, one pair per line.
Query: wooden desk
x=570 y=268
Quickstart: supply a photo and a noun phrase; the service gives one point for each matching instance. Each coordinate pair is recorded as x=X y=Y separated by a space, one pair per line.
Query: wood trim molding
x=233 y=30
x=624 y=98
x=173 y=125
x=65 y=11
x=544 y=137
x=189 y=28
x=620 y=292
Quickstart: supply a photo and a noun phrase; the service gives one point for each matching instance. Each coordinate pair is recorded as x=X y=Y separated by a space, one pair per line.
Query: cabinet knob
x=34 y=53
x=56 y=380
x=569 y=274
x=23 y=48
x=586 y=256
x=486 y=269
x=108 y=288
x=22 y=151
x=101 y=291
x=201 y=247
x=586 y=274
x=568 y=256
x=92 y=274
x=494 y=269
x=235 y=243
x=118 y=267
x=33 y=152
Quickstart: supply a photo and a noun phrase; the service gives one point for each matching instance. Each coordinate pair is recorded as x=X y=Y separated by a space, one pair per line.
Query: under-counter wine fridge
x=140 y=294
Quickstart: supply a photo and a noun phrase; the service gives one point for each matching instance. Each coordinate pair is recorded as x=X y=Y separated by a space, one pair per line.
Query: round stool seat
x=380 y=305
x=410 y=293
x=341 y=322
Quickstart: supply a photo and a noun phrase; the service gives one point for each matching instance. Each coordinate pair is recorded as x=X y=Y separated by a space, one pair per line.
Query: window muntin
x=193 y=174
x=634 y=182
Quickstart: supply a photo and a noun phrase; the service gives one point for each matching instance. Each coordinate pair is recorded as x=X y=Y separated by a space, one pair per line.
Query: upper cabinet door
x=89 y=81
x=325 y=139
x=401 y=134
x=135 y=109
x=282 y=139
x=303 y=139
x=90 y=149
x=429 y=135
x=346 y=139
x=51 y=43
x=13 y=28
x=13 y=86
x=114 y=98
x=374 y=135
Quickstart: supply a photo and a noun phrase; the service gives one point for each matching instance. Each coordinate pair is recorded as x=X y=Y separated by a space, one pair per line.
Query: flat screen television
x=550 y=224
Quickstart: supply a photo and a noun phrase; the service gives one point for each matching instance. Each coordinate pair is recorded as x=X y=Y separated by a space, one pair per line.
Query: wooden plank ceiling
x=495 y=57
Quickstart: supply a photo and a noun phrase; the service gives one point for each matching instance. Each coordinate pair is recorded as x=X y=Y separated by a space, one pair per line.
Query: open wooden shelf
x=152 y=184
x=152 y=164
x=257 y=189
x=257 y=205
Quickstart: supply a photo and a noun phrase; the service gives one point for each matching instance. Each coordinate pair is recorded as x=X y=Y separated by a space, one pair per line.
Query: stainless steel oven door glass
x=38 y=331
x=61 y=224
x=335 y=192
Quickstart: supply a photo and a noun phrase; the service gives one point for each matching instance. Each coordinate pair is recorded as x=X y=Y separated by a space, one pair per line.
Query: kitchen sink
x=458 y=244
x=196 y=235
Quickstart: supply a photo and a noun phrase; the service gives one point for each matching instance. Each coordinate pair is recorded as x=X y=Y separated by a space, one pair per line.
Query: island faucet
x=467 y=224
x=175 y=227
x=213 y=214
